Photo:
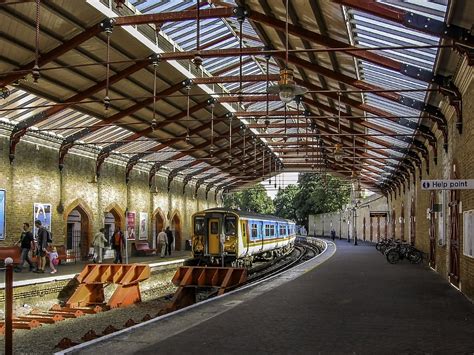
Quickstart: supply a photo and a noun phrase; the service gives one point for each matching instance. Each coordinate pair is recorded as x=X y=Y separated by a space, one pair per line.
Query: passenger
x=162 y=238
x=27 y=243
x=53 y=259
x=98 y=243
x=118 y=242
x=333 y=234
x=42 y=244
x=169 y=240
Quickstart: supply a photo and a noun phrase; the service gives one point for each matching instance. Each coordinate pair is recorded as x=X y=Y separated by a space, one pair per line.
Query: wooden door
x=454 y=246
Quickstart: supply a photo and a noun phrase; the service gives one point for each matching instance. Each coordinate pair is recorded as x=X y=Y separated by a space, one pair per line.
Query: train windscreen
x=199 y=226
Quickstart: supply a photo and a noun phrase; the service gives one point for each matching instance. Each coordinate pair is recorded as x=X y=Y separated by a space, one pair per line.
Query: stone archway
x=158 y=221
x=78 y=225
x=175 y=225
x=113 y=216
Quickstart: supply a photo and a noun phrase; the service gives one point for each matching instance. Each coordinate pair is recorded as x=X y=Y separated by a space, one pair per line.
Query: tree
x=285 y=202
x=254 y=199
x=319 y=194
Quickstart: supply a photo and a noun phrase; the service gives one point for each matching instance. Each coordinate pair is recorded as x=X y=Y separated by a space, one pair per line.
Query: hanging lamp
x=286 y=87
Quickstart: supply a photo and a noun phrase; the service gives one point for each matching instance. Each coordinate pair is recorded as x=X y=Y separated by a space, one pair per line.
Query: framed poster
x=468 y=242
x=143 y=231
x=2 y=214
x=131 y=225
x=42 y=212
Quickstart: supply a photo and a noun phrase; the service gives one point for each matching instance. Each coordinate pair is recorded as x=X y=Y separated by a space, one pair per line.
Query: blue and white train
x=239 y=237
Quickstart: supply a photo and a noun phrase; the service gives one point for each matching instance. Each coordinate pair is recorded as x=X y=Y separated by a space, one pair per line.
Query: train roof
x=248 y=214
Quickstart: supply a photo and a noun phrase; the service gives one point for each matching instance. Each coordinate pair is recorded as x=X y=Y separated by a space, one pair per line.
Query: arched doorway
x=113 y=217
x=78 y=232
x=158 y=224
x=176 y=228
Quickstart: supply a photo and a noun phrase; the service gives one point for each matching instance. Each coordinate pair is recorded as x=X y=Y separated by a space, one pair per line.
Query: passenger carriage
x=238 y=237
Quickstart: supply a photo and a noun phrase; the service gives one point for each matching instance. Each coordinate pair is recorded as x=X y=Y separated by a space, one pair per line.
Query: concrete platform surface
x=355 y=302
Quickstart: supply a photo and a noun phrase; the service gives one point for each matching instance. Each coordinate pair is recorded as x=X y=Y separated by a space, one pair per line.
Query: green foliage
x=319 y=194
x=285 y=202
x=254 y=199
x=315 y=193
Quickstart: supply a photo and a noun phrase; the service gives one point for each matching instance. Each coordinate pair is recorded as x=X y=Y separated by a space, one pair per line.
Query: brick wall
x=460 y=153
x=34 y=177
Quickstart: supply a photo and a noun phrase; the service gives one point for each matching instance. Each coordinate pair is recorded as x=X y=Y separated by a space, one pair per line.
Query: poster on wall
x=2 y=214
x=130 y=225
x=42 y=212
x=143 y=232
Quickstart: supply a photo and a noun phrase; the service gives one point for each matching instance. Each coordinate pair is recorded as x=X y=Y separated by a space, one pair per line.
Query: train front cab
x=209 y=229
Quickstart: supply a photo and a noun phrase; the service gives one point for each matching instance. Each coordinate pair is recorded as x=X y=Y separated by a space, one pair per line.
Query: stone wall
x=34 y=177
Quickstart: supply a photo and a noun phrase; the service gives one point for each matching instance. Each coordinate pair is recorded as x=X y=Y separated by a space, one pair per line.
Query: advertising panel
x=130 y=225
x=42 y=212
x=143 y=232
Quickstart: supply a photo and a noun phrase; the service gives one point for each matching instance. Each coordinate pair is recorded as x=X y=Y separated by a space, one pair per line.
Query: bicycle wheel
x=415 y=256
x=378 y=246
x=393 y=257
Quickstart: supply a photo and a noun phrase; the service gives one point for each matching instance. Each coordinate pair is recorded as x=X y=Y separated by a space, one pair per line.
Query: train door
x=243 y=227
x=214 y=242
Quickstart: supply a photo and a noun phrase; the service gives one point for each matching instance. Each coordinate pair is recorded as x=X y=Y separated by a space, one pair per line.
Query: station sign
x=458 y=184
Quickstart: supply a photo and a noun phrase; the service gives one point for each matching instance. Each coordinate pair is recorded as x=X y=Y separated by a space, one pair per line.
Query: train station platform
x=71 y=269
x=348 y=300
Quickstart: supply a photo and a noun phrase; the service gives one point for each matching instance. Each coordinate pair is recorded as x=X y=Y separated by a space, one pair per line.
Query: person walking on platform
x=118 y=242
x=98 y=243
x=169 y=240
x=162 y=242
x=41 y=246
x=333 y=234
x=26 y=244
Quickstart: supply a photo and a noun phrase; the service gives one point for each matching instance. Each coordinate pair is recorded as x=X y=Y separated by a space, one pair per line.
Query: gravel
x=42 y=340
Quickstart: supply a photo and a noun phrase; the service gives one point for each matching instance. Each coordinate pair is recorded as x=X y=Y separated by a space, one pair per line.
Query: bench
x=142 y=248
x=62 y=254
x=13 y=252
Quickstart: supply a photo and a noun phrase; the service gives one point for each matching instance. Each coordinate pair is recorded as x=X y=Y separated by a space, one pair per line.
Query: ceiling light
x=286 y=87
x=338 y=153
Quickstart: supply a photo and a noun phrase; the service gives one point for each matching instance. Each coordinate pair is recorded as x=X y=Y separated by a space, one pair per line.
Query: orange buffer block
x=190 y=278
x=94 y=277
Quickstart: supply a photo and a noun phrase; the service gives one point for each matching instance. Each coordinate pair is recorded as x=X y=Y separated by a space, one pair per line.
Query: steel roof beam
x=53 y=54
x=405 y=69
x=412 y=20
x=433 y=111
x=69 y=141
x=21 y=127
x=178 y=16
x=106 y=151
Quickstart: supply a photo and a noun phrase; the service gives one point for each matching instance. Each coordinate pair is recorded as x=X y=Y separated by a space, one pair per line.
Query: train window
x=272 y=230
x=199 y=226
x=267 y=230
x=254 y=231
x=230 y=225
x=214 y=227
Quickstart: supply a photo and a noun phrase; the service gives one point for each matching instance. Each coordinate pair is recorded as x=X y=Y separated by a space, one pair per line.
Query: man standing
x=42 y=244
x=169 y=240
x=98 y=244
x=26 y=244
x=162 y=242
x=118 y=242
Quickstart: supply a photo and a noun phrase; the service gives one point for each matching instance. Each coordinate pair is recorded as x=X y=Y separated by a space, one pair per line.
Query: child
x=53 y=259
